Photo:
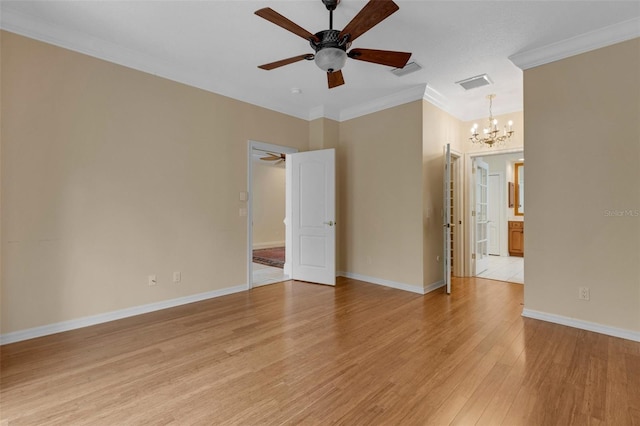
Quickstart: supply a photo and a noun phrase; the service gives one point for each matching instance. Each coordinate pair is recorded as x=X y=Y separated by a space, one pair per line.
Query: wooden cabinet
x=516 y=238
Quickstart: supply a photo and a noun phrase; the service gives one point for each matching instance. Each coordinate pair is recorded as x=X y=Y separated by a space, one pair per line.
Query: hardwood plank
x=297 y=353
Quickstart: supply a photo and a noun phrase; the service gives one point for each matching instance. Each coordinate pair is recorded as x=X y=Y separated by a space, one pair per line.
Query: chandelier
x=491 y=134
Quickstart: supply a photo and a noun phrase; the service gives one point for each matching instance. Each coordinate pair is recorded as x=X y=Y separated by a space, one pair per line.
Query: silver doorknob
x=330 y=223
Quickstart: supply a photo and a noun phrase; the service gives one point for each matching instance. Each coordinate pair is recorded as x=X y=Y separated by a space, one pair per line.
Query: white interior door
x=481 y=216
x=447 y=218
x=493 y=214
x=311 y=226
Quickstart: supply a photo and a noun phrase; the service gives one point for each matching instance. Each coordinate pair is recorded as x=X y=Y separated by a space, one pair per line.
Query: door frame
x=469 y=184
x=251 y=146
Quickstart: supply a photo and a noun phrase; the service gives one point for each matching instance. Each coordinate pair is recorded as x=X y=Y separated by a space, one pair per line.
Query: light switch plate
x=244 y=196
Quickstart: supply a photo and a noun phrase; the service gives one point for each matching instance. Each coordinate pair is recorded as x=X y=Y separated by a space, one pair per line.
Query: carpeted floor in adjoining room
x=270 y=256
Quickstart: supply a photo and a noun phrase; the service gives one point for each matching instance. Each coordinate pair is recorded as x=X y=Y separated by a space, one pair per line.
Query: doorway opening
x=266 y=228
x=491 y=215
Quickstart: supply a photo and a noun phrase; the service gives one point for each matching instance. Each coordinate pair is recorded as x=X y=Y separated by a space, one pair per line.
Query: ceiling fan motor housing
x=331 y=4
x=329 y=38
x=331 y=50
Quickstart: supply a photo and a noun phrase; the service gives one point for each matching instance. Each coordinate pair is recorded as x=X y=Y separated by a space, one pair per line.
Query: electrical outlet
x=152 y=280
x=177 y=277
x=583 y=293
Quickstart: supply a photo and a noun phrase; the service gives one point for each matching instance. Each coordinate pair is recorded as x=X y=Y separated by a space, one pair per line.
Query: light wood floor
x=297 y=353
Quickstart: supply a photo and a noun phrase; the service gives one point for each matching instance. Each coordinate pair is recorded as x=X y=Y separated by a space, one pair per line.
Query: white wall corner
x=45 y=330
x=382 y=282
x=583 y=325
x=582 y=43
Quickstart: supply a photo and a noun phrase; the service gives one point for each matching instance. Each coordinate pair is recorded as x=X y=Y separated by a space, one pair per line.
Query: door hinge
x=473 y=256
x=473 y=212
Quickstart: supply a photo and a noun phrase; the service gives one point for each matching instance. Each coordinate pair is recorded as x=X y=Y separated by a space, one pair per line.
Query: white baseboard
x=434 y=286
x=268 y=244
x=583 y=325
x=73 y=324
x=380 y=281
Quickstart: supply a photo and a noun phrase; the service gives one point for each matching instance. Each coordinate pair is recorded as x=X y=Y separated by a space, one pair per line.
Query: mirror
x=519 y=179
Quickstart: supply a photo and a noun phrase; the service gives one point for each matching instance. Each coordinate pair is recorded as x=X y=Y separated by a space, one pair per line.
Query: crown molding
x=316 y=112
x=586 y=42
x=95 y=47
x=321 y=111
x=409 y=95
x=436 y=98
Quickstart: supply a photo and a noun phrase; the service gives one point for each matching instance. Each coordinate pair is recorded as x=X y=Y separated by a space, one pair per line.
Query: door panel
x=311 y=209
x=447 y=219
x=481 y=216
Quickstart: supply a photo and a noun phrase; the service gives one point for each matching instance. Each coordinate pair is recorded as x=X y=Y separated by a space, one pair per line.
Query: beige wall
x=268 y=204
x=583 y=151
x=110 y=174
x=380 y=177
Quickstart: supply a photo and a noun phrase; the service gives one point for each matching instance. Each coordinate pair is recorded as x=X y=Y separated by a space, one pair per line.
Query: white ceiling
x=217 y=45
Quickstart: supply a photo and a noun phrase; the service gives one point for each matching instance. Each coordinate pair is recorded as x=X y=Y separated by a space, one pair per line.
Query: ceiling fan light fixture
x=331 y=59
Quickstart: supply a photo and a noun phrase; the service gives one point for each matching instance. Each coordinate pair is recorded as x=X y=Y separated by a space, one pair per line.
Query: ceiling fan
x=278 y=158
x=331 y=45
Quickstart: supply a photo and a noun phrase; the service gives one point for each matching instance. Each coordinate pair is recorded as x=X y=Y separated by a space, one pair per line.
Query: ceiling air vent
x=475 y=82
x=408 y=69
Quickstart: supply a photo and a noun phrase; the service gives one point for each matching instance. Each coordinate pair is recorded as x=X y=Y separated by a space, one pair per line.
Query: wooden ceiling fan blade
x=274 y=17
x=274 y=157
x=382 y=57
x=369 y=16
x=335 y=79
x=287 y=61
